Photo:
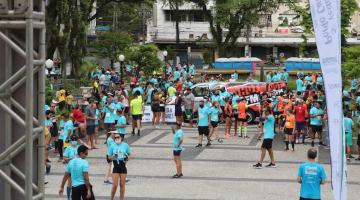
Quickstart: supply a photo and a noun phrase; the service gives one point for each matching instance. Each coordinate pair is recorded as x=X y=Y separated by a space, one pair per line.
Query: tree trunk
x=112 y=63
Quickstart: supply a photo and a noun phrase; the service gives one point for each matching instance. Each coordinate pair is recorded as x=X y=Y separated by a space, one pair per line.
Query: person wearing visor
x=119 y=153
x=69 y=154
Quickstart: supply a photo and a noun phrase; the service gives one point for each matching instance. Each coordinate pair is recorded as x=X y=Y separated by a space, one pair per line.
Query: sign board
x=148 y=114
x=170 y=113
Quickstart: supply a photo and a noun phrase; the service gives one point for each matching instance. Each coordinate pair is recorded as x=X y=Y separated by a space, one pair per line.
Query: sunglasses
x=117 y=137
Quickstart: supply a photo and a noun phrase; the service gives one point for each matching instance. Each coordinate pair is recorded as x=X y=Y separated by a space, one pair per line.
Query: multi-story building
x=276 y=34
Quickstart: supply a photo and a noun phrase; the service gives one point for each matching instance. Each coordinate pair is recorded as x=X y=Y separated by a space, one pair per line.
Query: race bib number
x=107 y=114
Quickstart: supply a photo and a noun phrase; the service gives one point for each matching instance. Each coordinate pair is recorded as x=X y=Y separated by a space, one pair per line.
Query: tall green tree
x=145 y=57
x=67 y=24
x=174 y=6
x=229 y=19
x=348 y=8
x=351 y=62
x=111 y=45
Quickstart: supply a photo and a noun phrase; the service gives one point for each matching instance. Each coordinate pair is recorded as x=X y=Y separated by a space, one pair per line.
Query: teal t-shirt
x=319 y=81
x=179 y=134
x=70 y=152
x=214 y=114
x=176 y=75
x=348 y=124
x=216 y=98
x=299 y=85
x=316 y=121
x=68 y=128
x=286 y=76
x=268 y=78
x=109 y=119
x=76 y=168
x=122 y=150
x=121 y=122
x=203 y=116
x=269 y=127
x=148 y=96
x=97 y=116
x=109 y=142
x=311 y=176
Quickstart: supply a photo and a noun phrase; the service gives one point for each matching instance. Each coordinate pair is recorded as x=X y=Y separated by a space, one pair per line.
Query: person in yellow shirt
x=171 y=91
x=289 y=128
x=136 y=110
x=61 y=98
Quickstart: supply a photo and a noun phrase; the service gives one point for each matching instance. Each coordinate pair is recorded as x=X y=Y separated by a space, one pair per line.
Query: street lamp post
x=121 y=59
x=165 y=53
x=49 y=64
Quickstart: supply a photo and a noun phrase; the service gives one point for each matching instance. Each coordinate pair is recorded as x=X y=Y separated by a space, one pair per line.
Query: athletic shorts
x=107 y=126
x=136 y=117
x=126 y=111
x=316 y=129
x=267 y=144
x=119 y=167
x=90 y=130
x=178 y=112
x=214 y=124
x=288 y=131
x=300 y=126
x=162 y=109
x=189 y=114
x=348 y=138
x=203 y=130
x=301 y=198
x=242 y=119
x=276 y=114
x=177 y=152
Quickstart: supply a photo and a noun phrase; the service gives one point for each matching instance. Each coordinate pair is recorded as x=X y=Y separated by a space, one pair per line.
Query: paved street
x=222 y=171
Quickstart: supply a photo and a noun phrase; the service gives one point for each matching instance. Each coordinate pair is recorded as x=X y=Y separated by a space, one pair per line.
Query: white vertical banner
x=326 y=21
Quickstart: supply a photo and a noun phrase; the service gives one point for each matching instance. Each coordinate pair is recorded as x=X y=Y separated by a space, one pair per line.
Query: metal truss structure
x=22 y=98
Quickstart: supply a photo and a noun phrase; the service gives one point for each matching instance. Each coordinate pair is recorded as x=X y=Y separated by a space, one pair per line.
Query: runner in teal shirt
x=311 y=175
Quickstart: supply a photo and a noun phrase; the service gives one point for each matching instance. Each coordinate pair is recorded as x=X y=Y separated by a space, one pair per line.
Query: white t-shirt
x=102 y=79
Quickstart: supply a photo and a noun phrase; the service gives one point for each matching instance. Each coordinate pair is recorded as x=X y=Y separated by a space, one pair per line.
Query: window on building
x=199 y=16
x=183 y=17
x=167 y=15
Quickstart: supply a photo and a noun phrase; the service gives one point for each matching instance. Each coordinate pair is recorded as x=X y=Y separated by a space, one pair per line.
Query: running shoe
x=107 y=182
x=351 y=156
x=357 y=158
x=257 y=166
x=220 y=140
x=272 y=165
x=198 y=146
x=176 y=176
x=208 y=144
x=48 y=168
x=312 y=143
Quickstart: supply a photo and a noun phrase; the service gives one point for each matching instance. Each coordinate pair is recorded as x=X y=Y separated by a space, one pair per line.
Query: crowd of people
x=298 y=115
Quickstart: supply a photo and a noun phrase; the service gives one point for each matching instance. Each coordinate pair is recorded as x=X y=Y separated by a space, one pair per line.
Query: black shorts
x=178 y=113
x=214 y=124
x=300 y=126
x=203 y=130
x=301 y=198
x=358 y=140
x=119 y=167
x=267 y=144
x=288 y=131
x=90 y=130
x=155 y=108
x=107 y=126
x=162 y=109
x=137 y=117
x=316 y=129
x=236 y=116
x=126 y=110
x=276 y=114
x=242 y=119
x=177 y=152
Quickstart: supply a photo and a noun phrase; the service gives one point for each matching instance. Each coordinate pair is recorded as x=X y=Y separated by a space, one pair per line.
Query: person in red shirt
x=79 y=119
x=300 y=120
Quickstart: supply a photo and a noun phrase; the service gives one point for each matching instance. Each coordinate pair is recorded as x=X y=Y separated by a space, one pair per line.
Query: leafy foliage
x=351 y=62
x=145 y=57
x=229 y=18
x=112 y=44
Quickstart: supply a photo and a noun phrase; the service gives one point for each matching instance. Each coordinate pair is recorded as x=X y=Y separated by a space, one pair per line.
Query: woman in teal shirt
x=177 y=148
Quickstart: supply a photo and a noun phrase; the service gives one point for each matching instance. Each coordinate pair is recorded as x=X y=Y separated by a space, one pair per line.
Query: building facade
x=276 y=35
